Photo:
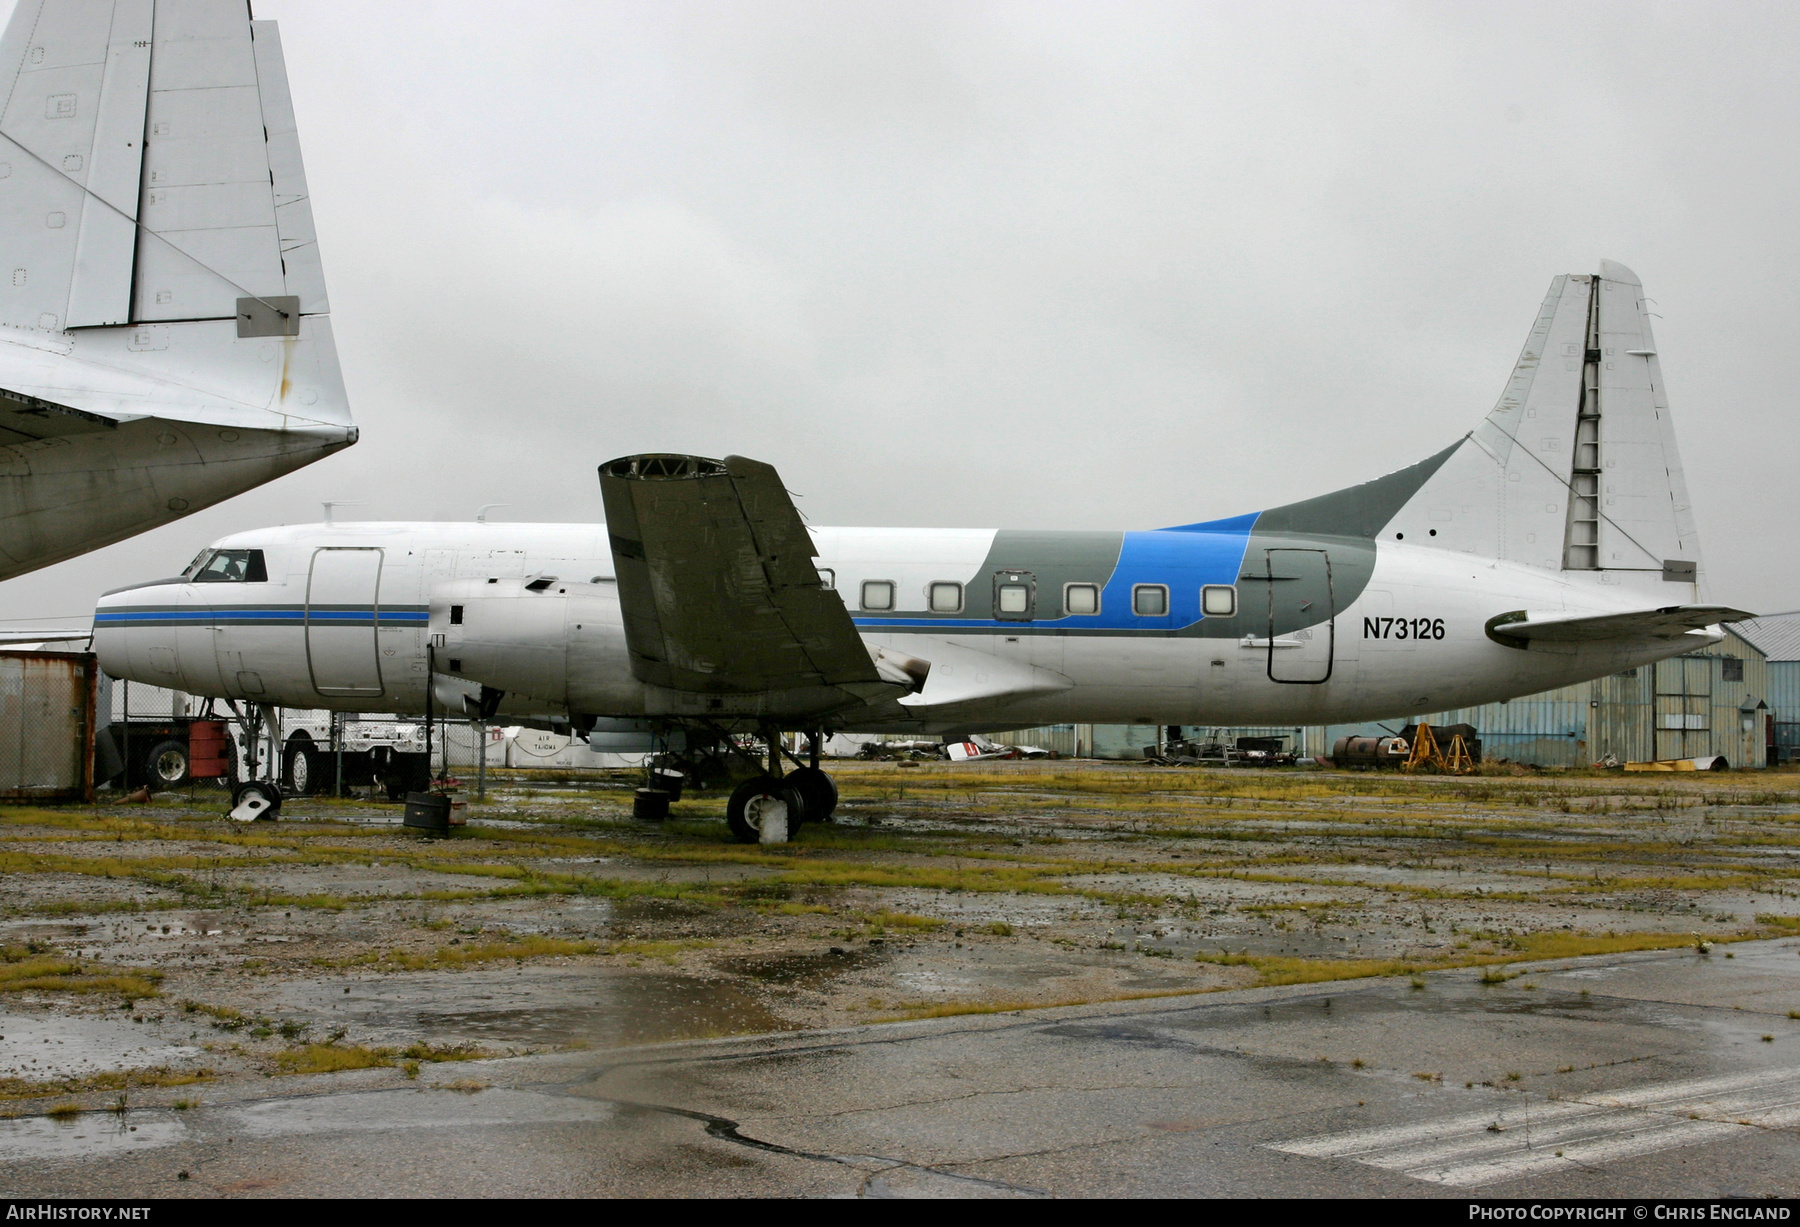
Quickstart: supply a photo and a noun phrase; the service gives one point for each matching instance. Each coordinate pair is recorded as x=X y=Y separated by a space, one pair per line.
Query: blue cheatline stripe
x=1183 y=559
x=263 y=615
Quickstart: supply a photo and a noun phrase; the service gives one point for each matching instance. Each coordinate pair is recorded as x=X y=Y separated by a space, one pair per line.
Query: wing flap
x=717 y=584
x=1669 y=622
x=961 y=675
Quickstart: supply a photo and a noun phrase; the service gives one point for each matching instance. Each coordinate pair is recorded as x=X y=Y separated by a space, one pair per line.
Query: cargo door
x=343 y=594
x=1302 y=616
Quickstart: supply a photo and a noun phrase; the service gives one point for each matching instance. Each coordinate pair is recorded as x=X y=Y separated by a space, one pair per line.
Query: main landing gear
x=770 y=807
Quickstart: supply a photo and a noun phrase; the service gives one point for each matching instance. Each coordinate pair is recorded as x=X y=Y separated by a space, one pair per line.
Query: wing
x=1669 y=622
x=718 y=588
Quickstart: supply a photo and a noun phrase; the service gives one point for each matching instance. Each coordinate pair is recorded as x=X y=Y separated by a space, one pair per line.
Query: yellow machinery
x=1427 y=756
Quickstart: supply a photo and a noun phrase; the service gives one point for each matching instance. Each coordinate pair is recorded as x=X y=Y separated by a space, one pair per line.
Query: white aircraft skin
x=1551 y=545
x=250 y=640
x=165 y=341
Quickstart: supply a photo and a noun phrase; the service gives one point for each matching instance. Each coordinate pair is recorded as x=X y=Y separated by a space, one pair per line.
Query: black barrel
x=668 y=780
x=427 y=811
x=650 y=805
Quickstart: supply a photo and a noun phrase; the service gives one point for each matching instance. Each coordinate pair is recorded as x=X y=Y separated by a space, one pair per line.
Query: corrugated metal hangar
x=1739 y=699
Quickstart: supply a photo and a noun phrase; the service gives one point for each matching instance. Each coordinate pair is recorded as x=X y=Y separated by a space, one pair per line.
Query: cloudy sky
x=1056 y=265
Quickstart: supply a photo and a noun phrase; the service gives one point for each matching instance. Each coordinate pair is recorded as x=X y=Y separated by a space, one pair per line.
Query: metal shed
x=1779 y=639
x=48 y=707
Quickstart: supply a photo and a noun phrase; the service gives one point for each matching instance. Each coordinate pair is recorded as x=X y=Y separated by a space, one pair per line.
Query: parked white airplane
x=164 y=342
x=1551 y=545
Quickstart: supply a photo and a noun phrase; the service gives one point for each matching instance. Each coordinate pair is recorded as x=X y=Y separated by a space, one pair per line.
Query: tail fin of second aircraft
x=1574 y=470
x=150 y=184
x=164 y=342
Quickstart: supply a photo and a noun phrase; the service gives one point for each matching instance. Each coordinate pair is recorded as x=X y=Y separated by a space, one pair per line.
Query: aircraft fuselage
x=1028 y=627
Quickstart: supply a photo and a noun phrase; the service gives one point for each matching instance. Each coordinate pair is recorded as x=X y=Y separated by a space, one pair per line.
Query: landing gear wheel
x=818 y=789
x=756 y=798
x=254 y=799
x=167 y=764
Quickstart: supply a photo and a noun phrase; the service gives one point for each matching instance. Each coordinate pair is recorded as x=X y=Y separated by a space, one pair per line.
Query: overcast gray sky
x=1021 y=265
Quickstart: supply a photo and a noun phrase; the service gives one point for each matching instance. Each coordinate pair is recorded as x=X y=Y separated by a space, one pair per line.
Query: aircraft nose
x=136 y=632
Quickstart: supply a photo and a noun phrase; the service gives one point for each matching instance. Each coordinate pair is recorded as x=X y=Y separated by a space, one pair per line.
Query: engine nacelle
x=558 y=641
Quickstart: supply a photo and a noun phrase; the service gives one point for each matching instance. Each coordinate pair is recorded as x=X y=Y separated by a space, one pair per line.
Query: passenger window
x=1219 y=600
x=1081 y=598
x=1014 y=598
x=1150 y=600
x=878 y=594
x=233 y=567
x=946 y=598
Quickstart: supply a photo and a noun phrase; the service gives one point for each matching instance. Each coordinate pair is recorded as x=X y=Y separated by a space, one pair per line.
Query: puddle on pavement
x=633 y=908
x=40 y=1049
x=40 y=931
x=387 y=1110
x=90 y=1135
x=531 y=1008
x=800 y=970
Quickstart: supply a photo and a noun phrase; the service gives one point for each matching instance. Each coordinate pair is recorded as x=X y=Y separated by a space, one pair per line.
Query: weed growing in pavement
x=30 y=968
x=117 y=1080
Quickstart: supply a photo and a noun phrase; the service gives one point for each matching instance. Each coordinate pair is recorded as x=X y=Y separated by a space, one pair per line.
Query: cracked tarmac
x=1647 y=1075
x=658 y=1012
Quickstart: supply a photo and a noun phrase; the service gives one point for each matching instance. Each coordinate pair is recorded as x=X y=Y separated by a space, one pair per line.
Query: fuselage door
x=1302 y=616
x=343 y=594
x=1015 y=596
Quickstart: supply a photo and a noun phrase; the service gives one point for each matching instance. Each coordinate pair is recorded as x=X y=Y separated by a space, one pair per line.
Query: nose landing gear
x=257 y=799
x=254 y=799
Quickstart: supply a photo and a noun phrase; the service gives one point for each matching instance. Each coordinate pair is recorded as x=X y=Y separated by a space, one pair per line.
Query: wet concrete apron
x=1643 y=1074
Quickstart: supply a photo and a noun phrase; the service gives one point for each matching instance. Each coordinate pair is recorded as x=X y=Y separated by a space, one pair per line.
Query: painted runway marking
x=1525 y=1137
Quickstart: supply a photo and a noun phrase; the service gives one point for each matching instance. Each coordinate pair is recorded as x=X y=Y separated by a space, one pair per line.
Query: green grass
x=110 y=1080
x=1289 y=969
x=331 y=1058
x=334 y=1058
x=25 y=969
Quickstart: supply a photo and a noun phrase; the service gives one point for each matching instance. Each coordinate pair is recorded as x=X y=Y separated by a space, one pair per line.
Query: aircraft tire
x=740 y=811
x=819 y=790
x=267 y=788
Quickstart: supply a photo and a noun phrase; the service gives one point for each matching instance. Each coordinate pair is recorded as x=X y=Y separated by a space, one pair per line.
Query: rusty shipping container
x=48 y=705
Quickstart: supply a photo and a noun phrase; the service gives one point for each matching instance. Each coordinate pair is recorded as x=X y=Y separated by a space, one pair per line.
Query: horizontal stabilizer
x=1669 y=622
x=23 y=418
x=717 y=585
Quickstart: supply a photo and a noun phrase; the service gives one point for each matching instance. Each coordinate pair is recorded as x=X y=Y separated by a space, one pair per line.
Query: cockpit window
x=193 y=568
x=233 y=567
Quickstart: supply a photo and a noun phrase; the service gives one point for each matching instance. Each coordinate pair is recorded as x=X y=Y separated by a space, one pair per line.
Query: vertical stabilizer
x=1575 y=469
x=154 y=166
x=164 y=336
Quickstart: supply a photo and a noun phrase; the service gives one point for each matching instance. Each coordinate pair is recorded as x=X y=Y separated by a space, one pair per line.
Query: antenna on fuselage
x=481 y=515
x=329 y=506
